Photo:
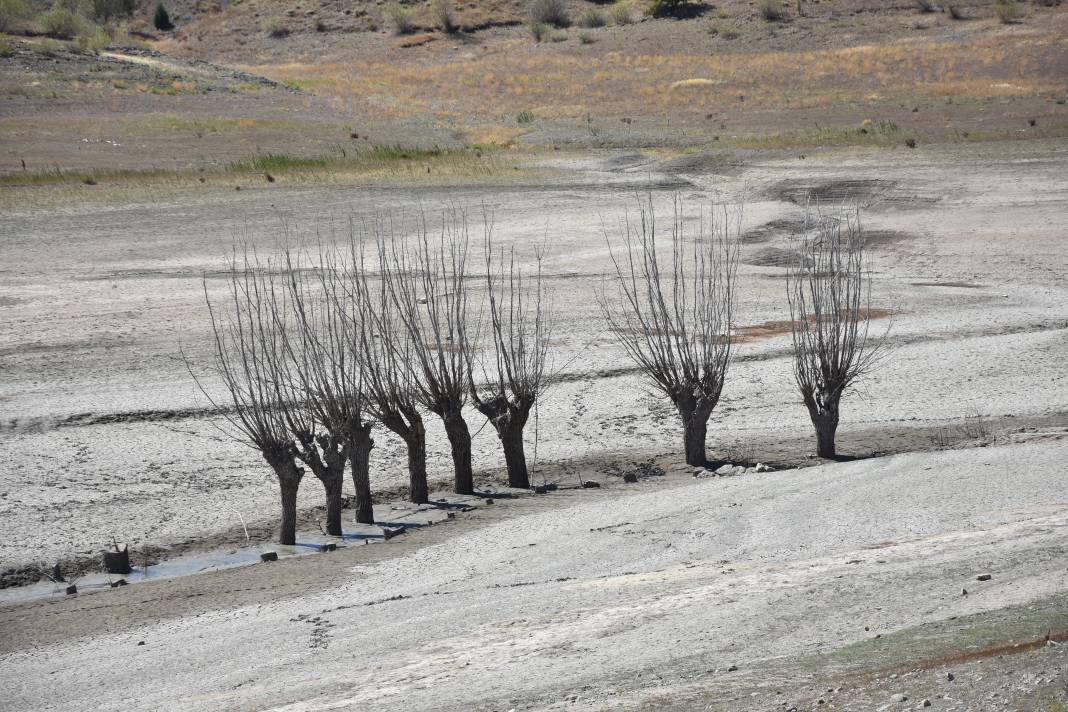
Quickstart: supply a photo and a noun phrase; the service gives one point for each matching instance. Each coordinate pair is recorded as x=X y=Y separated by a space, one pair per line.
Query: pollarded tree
x=674 y=316
x=520 y=324
x=427 y=283
x=249 y=345
x=829 y=291
x=329 y=375
x=375 y=332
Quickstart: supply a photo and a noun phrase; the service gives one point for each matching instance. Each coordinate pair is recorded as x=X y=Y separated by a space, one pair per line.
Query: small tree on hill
x=162 y=19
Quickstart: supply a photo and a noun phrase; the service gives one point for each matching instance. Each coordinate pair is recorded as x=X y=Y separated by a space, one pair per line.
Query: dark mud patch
x=955 y=285
x=775 y=228
x=703 y=164
x=839 y=191
x=883 y=238
x=774 y=257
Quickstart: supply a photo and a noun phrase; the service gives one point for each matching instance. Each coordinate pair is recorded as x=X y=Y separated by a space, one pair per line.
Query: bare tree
x=248 y=347
x=829 y=290
x=520 y=316
x=428 y=287
x=330 y=383
x=375 y=332
x=676 y=325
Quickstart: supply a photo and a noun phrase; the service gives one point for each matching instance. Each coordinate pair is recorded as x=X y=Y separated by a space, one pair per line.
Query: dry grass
x=611 y=84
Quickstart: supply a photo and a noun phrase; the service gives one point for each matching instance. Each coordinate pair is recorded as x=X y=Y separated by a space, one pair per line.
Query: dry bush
x=540 y=31
x=771 y=10
x=955 y=12
x=592 y=17
x=62 y=24
x=925 y=6
x=443 y=15
x=1008 y=11
x=622 y=12
x=400 y=18
x=549 y=12
x=274 y=27
x=12 y=12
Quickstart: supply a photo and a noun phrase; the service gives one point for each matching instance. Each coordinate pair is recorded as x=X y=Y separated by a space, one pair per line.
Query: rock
x=964 y=592
x=140 y=642
x=388 y=533
x=116 y=584
x=269 y=556
x=327 y=547
x=489 y=500
x=983 y=577
x=630 y=477
x=901 y=698
x=590 y=484
x=698 y=471
x=732 y=668
x=926 y=703
x=950 y=676
x=71 y=590
x=761 y=467
x=725 y=470
x=540 y=489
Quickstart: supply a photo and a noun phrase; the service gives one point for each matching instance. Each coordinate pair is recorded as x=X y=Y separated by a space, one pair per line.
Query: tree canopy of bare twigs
x=674 y=316
x=329 y=381
x=375 y=331
x=249 y=351
x=427 y=282
x=514 y=371
x=829 y=291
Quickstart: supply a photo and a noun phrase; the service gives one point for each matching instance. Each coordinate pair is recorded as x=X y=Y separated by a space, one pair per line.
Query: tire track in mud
x=45 y=424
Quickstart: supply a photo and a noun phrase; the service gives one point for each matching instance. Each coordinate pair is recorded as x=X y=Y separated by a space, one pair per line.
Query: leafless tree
x=829 y=291
x=329 y=378
x=249 y=347
x=676 y=324
x=385 y=360
x=427 y=283
x=520 y=324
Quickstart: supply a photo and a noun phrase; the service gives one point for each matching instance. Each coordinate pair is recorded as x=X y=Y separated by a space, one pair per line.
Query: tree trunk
x=288 y=481
x=418 y=492
x=694 y=433
x=460 y=440
x=333 y=504
x=826 y=424
x=511 y=435
x=359 y=459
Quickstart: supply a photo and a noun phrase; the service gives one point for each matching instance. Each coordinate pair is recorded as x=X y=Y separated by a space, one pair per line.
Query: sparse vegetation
x=956 y=12
x=525 y=117
x=108 y=10
x=12 y=12
x=61 y=23
x=443 y=15
x=549 y=12
x=926 y=6
x=93 y=39
x=668 y=8
x=586 y=38
x=274 y=27
x=401 y=20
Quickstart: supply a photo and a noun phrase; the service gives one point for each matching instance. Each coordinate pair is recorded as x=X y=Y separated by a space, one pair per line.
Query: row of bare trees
x=313 y=346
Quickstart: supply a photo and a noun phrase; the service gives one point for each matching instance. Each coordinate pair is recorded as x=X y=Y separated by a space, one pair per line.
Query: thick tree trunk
x=418 y=492
x=333 y=505
x=359 y=460
x=515 y=458
x=826 y=425
x=288 y=481
x=460 y=441
x=693 y=437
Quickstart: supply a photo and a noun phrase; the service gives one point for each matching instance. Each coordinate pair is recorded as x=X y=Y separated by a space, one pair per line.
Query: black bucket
x=117 y=562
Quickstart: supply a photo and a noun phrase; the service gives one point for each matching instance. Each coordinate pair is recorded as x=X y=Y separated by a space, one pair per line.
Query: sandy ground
x=103 y=434
x=842 y=583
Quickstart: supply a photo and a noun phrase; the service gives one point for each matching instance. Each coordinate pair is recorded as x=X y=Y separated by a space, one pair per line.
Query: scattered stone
x=140 y=642
x=71 y=590
x=983 y=577
x=116 y=584
x=761 y=467
x=949 y=676
x=323 y=548
x=821 y=701
x=269 y=556
x=388 y=533
x=540 y=489
x=901 y=698
x=725 y=470
x=926 y=703
x=630 y=477
x=489 y=500
x=732 y=668
x=964 y=592
x=590 y=484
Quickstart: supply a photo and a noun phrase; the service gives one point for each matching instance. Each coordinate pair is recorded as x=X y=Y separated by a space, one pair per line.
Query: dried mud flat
x=622 y=598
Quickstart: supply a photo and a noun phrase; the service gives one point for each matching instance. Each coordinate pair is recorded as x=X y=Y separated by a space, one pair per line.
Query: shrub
x=1008 y=11
x=925 y=6
x=162 y=20
x=622 y=12
x=6 y=50
x=729 y=31
x=586 y=38
x=668 y=8
x=592 y=17
x=106 y=10
x=525 y=117
x=48 y=48
x=560 y=36
x=400 y=19
x=61 y=24
x=539 y=31
x=549 y=12
x=12 y=11
x=93 y=39
x=443 y=16
x=955 y=12
x=274 y=27
x=771 y=10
